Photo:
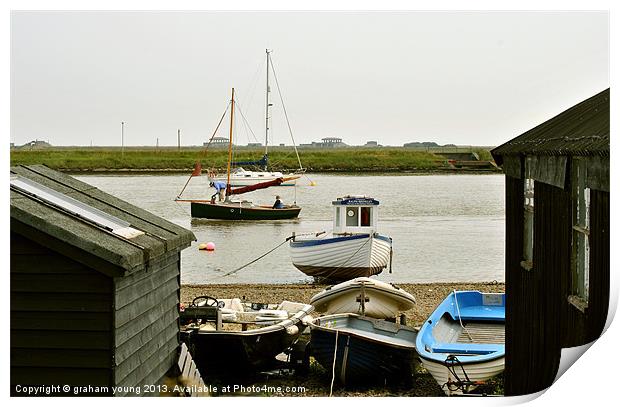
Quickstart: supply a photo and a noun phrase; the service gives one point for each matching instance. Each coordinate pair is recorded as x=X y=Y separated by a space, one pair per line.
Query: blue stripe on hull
x=318 y=242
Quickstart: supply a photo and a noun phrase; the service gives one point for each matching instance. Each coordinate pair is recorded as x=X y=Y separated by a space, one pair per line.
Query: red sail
x=254 y=187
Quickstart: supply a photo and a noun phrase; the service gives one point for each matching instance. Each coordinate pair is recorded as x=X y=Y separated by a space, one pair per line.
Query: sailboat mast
x=267 y=105
x=230 y=141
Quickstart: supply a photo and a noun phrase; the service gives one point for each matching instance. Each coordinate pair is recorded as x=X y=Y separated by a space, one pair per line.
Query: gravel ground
x=317 y=382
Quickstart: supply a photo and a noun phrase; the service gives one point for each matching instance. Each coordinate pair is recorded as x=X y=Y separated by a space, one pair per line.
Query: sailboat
x=242 y=177
x=240 y=209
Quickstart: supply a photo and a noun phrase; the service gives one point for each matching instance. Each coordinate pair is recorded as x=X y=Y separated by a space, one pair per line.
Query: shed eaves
x=581 y=130
x=160 y=236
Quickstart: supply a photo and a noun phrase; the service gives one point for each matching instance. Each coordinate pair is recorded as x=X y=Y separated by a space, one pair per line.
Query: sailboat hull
x=204 y=210
x=341 y=258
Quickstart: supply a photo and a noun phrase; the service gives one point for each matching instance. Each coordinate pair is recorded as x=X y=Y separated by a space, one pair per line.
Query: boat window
x=248 y=175
x=337 y=216
x=365 y=216
x=261 y=175
x=352 y=215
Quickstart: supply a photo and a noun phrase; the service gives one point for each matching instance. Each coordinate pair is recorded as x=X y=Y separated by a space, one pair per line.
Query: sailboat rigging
x=238 y=210
x=242 y=177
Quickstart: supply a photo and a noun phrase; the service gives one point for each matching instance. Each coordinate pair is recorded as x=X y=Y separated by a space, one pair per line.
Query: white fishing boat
x=353 y=249
x=364 y=296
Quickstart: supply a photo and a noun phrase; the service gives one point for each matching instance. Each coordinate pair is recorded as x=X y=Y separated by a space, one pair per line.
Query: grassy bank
x=284 y=159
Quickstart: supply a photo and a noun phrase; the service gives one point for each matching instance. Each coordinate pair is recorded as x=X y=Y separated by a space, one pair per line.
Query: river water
x=445 y=228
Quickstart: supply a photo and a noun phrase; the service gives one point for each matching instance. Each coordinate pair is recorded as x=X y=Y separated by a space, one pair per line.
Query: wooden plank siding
x=532 y=351
x=146 y=322
x=539 y=319
x=61 y=318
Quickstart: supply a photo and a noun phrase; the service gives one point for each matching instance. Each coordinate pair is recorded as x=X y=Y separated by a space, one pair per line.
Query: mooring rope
x=451 y=362
x=256 y=259
x=458 y=310
x=331 y=387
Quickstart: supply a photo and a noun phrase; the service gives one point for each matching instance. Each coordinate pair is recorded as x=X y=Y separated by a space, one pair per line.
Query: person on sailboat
x=220 y=190
x=278 y=203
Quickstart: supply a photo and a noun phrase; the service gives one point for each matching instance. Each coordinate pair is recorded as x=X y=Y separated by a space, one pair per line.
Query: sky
x=466 y=78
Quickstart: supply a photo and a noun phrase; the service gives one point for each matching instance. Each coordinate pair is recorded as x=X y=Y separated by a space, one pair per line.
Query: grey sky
x=468 y=78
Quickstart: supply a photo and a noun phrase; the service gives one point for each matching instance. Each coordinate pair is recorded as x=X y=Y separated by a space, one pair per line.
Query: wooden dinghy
x=462 y=342
x=231 y=337
x=364 y=296
x=366 y=350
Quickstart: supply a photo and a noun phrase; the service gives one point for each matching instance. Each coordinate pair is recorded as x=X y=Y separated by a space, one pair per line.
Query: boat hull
x=341 y=258
x=204 y=210
x=243 y=352
x=461 y=343
x=449 y=379
x=221 y=353
x=364 y=354
x=381 y=300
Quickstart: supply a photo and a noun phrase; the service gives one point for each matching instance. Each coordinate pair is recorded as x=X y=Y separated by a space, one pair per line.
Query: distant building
x=332 y=142
x=217 y=142
x=255 y=144
x=326 y=142
x=35 y=145
x=423 y=144
x=371 y=144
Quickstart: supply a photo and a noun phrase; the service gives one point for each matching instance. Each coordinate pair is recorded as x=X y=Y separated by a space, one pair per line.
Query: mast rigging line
x=204 y=151
x=285 y=114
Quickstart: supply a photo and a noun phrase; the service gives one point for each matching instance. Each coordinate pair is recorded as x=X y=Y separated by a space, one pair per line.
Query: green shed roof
x=130 y=254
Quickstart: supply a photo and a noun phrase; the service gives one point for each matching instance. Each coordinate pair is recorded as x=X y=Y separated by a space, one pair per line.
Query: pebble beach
x=317 y=381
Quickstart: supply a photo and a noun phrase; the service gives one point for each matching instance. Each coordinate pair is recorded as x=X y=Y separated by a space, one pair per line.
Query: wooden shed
x=557 y=240
x=95 y=287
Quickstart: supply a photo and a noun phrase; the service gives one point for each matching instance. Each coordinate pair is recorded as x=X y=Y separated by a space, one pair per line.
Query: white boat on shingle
x=364 y=296
x=353 y=249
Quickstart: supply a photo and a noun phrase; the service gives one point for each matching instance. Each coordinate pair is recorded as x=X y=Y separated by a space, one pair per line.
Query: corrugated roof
x=160 y=236
x=581 y=130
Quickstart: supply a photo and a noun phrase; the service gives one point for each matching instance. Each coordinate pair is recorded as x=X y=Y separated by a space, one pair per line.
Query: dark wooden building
x=557 y=240
x=95 y=286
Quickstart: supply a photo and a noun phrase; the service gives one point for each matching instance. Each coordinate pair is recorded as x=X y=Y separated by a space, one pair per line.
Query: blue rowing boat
x=462 y=342
x=362 y=350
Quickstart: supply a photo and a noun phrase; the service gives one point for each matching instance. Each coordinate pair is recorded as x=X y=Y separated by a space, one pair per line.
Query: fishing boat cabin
x=95 y=289
x=557 y=241
x=355 y=214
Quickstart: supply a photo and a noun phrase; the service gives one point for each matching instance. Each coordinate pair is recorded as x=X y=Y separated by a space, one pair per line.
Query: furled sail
x=254 y=187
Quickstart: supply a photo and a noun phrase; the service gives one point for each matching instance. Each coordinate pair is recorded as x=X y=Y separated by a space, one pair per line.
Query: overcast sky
x=467 y=78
